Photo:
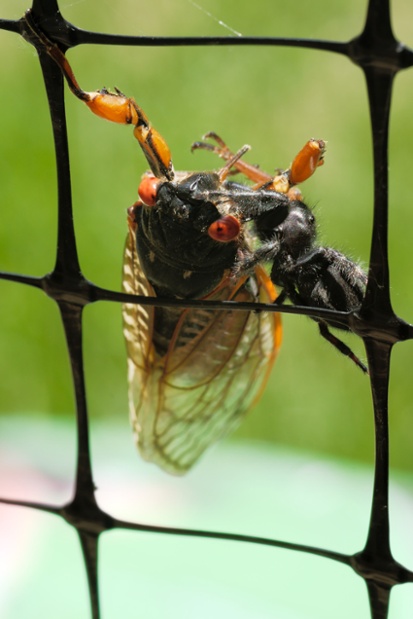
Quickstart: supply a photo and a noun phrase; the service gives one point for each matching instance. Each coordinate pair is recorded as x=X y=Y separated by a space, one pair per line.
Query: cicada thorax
x=193 y=373
x=177 y=254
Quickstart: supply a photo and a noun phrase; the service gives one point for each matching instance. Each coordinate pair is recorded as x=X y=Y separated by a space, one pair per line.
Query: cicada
x=193 y=373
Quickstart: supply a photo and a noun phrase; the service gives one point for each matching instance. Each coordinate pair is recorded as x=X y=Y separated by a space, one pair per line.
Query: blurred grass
x=271 y=98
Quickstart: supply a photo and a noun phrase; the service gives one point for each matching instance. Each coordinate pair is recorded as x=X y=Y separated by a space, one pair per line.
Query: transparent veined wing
x=194 y=373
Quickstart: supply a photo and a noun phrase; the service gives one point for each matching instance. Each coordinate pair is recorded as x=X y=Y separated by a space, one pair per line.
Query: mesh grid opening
x=381 y=57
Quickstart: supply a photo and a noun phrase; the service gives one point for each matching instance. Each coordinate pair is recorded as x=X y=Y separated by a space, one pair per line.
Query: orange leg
x=303 y=166
x=305 y=163
x=250 y=171
x=116 y=107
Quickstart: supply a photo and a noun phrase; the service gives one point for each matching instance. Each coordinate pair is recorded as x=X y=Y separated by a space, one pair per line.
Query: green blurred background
x=272 y=98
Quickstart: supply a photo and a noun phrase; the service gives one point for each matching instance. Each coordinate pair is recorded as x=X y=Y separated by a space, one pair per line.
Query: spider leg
x=281 y=298
x=248 y=260
x=341 y=346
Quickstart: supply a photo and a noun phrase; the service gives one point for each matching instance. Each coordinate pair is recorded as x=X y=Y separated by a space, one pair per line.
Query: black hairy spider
x=309 y=275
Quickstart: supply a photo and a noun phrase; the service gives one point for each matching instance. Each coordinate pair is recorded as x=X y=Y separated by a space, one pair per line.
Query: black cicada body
x=193 y=373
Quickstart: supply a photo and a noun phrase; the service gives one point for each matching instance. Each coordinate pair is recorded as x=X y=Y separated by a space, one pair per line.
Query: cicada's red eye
x=224 y=229
x=147 y=190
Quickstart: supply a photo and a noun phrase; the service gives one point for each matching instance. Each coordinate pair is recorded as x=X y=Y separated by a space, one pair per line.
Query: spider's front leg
x=248 y=260
x=114 y=106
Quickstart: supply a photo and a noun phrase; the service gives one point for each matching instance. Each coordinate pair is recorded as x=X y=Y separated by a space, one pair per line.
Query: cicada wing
x=213 y=369
x=138 y=323
x=210 y=383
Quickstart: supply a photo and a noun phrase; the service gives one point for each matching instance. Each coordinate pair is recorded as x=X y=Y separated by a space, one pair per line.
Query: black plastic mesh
x=381 y=57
